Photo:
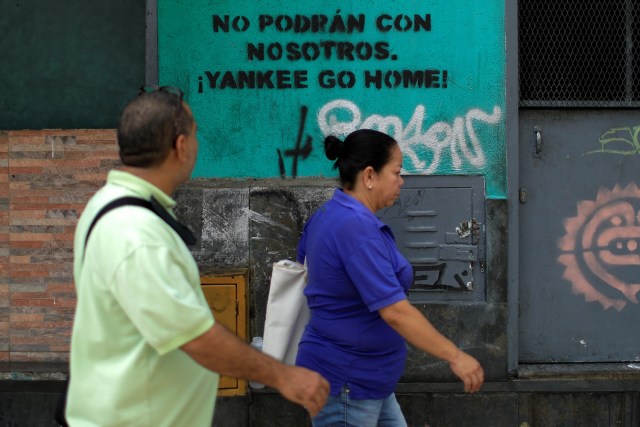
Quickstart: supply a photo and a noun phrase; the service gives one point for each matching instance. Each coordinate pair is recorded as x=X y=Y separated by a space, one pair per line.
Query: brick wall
x=46 y=178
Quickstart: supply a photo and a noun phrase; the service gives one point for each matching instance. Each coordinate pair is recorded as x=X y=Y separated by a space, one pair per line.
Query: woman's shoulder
x=358 y=225
x=335 y=218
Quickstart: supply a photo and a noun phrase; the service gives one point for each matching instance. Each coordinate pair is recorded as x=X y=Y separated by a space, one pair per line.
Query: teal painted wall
x=431 y=74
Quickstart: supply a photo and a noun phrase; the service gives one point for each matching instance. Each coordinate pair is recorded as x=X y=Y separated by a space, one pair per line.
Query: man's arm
x=415 y=328
x=221 y=351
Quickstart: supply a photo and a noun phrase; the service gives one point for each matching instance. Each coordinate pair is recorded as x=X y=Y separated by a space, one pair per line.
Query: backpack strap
x=153 y=205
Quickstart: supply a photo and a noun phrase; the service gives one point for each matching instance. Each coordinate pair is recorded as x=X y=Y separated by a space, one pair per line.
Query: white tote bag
x=287 y=311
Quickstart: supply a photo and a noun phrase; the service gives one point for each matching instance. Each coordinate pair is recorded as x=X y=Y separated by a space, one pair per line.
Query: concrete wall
x=255 y=223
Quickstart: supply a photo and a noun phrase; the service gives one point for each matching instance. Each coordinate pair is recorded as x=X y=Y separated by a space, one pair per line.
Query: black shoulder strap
x=153 y=205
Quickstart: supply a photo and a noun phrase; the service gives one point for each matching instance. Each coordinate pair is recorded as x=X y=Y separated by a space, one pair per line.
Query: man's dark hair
x=149 y=126
x=362 y=148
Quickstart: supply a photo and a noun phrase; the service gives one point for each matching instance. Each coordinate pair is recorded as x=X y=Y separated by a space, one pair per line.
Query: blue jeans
x=342 y=411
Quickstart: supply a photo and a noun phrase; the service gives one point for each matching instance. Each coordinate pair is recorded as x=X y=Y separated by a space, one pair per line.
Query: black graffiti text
x=299 y=150
x=269 y=79
x=406 y=78
x=310 y=51
x=319 y=23
x=312 y=23
x=326 y=79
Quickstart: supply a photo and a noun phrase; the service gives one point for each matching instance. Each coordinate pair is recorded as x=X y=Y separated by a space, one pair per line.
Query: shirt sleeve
x=152 y=286
x=370 y=269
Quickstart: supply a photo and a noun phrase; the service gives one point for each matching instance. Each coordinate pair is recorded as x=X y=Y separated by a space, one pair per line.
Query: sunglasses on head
x=171 y=90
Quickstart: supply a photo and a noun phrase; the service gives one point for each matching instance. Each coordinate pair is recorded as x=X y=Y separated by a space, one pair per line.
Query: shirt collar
x=350 y=202
x=141 y=187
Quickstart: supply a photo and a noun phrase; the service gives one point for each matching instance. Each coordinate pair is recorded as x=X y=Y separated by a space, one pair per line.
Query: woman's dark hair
x=362 y=148
x=149 y=126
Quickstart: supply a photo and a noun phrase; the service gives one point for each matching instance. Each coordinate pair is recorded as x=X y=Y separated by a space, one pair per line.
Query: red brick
x=14 y=170
x=29 y=146
x=19 y=270
x=31 y=356
x=26 y=134
x=31 y=237
x=96 y=135
x=48 y=302
x=22 y=317
x=98 y=177
x=17 y=340
x=26 y=244
x=29 y=273
x=68 y=164
x=24 y=259
x=45 y=207
x=61 y=287
x=39 y=324
x=45 y=192
x=19 y=186
x=31 y=214
x=28 y=199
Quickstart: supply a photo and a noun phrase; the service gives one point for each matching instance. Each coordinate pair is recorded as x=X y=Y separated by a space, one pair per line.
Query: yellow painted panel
x=226 y=295
x=222 y=300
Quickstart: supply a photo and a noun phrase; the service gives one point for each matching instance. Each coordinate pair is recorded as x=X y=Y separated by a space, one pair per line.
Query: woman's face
x=386 y=184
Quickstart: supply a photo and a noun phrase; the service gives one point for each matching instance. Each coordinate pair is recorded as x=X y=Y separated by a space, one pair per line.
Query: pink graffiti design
x=601 y=248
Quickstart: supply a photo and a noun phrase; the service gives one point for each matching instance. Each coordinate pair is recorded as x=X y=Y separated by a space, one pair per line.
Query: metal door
x=579 y=265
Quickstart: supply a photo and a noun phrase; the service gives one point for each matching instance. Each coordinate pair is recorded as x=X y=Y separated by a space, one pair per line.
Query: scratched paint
x=263 y=78
x=600 y=250
x=225 y=224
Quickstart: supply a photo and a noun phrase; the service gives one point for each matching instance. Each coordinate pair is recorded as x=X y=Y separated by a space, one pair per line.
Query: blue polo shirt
x=354 y=269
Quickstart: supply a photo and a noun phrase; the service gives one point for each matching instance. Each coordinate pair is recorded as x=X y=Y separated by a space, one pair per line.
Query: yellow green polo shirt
x=138 y=301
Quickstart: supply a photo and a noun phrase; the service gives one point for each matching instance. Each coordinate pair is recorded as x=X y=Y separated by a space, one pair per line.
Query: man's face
x=192 y=142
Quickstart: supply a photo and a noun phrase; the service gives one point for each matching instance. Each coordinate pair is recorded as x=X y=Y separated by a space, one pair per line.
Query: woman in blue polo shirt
x=357 y=292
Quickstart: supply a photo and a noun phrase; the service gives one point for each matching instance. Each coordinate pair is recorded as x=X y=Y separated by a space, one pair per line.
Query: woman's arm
x=415 y=328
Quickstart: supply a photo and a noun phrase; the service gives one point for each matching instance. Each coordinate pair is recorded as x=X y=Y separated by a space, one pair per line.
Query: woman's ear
x=367 y=177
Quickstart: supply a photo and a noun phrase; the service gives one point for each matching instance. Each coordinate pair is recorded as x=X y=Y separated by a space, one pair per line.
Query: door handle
x=537 y=141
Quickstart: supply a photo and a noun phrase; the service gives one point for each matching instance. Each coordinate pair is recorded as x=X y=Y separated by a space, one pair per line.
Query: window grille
x=579 y=53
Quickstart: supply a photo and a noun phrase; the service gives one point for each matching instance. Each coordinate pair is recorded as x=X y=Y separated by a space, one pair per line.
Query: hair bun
x=332 y=147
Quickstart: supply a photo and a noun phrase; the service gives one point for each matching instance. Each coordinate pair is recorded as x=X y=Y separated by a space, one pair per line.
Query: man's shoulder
x=105 y=195
x=123 y=222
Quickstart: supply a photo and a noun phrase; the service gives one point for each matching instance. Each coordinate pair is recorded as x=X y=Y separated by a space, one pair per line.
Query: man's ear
x=181 y=148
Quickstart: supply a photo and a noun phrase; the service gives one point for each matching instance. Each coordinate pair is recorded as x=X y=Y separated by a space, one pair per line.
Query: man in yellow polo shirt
x=146 y=350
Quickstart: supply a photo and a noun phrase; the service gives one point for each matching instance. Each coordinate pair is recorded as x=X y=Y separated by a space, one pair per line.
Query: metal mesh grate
x=579 y=53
